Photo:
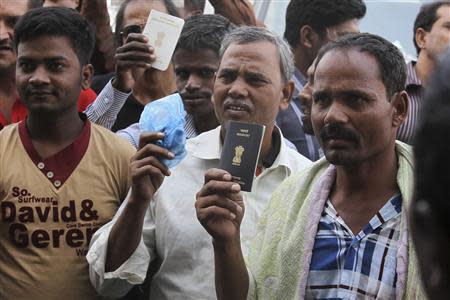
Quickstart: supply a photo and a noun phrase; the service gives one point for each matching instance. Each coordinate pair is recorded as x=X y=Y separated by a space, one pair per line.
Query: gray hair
x=250 y=34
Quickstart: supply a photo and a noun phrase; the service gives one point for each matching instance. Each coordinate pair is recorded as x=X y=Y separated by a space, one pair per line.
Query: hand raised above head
x=147 y=172
x=132 y=59
x=219 y=206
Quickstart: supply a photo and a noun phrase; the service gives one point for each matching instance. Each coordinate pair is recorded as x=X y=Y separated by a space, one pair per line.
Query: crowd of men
x=349 y=194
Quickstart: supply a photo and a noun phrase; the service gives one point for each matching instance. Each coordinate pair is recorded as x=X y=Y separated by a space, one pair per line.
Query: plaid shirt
x=345 y=266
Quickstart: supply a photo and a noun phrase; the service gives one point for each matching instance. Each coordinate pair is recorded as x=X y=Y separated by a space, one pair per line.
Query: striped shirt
x=415 y=91
x=348 y=266
x=103 y=111
x=291 y=124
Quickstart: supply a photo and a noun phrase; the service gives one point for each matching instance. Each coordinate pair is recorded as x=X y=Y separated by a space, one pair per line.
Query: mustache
x=34 y=91
x=196 y=95
x=336 y=131
x=6 y=43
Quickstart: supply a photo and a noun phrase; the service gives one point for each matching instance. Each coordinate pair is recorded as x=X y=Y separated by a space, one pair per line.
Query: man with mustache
x=310 y=24
x=338 y=230
x=157 y=223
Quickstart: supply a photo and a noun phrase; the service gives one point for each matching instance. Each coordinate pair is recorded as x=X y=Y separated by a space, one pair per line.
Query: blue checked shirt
x=345 y=266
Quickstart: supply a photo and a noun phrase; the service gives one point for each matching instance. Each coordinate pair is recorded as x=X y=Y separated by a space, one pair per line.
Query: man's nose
x=238 y=88
x=193 y=83
x=39 y=76
x=5 y=31
x=336 y=113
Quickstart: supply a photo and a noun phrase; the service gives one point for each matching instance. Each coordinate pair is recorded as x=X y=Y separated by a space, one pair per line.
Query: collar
x=208 y=146
x=58 y=167
x=412 y=79
x=189 y=126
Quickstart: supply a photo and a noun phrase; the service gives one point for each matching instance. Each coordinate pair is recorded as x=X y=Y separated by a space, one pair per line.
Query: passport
x=163 y=32
x=240 y=152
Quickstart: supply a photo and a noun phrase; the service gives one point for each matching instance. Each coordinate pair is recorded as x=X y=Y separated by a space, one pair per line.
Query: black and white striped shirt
x=415 y=91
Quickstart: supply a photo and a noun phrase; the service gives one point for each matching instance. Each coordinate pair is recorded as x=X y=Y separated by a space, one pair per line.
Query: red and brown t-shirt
x=50 y=208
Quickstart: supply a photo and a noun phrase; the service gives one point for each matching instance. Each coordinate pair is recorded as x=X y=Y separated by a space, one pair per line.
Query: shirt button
x=50 y=174
x=57 y=183
x=40 y=165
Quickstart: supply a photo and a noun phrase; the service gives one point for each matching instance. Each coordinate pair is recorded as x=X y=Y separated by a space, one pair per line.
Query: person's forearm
x=126 y=234
x=230 y=271
x=239 y=12
x=96 y=11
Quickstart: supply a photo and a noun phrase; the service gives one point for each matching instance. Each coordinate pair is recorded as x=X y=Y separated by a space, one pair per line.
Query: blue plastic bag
x=167 y=115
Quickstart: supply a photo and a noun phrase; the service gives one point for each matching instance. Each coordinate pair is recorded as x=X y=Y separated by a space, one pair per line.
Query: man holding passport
x=157 y=224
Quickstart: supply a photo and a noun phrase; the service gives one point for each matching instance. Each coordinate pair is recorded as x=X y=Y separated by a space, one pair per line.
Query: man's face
x=194 y=75
x=306 y=99
x=249 y=85
x=439 y=36
x=49 y=77
x=351 y=113
x=10 y=12
x=61 y=3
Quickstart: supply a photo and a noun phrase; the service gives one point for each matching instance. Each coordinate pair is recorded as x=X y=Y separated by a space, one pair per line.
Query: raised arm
x=132 y=59
x=147 y=175
x=96 y=11
x=220 y=210
x=239 y=12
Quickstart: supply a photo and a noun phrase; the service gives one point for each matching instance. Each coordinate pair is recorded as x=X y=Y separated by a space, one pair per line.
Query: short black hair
x=426 y=17
x=193 y=5
x=320 y=15
x=57 y=21
x=171 y=9
x=389 y=58
x=204 y=32
x=34 y=3
x=430 y=149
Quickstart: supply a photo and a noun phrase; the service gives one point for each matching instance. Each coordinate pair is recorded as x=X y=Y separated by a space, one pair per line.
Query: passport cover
x=163 y=32
x=240 y=152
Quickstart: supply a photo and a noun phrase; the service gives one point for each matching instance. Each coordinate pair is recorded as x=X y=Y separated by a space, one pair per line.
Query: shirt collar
x=299 y=81
x=189 y=126
x=208 y=146
x=411 y=75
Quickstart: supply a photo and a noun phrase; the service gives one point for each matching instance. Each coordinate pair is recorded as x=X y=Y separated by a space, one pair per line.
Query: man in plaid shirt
x=339 y=229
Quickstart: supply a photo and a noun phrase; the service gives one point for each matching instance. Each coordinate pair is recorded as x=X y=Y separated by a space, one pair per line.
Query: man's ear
x=400 y=102
x=421 y=37
x=287 y=92
x=87 y=73
x=308 y=38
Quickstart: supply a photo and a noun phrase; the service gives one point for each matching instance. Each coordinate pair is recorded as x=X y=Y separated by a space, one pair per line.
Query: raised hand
x=219 y=206
x=146 y=170
x=132 y=59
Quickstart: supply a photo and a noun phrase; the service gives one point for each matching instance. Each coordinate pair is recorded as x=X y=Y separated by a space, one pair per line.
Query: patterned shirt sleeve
x=103 y=111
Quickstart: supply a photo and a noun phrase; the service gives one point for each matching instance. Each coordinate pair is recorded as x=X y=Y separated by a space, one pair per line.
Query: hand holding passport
x=240 y=152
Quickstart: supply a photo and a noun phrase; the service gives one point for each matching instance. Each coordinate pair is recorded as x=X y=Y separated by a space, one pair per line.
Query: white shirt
x=172 y=232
